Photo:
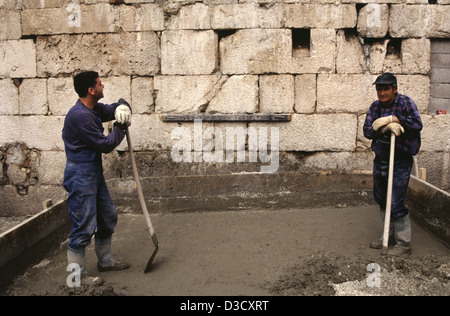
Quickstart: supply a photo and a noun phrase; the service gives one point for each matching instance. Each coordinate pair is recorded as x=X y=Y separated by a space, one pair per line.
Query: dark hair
x=83 y=81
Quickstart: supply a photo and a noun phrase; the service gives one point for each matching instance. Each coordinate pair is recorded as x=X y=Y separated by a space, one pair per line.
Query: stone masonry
x=314 y=60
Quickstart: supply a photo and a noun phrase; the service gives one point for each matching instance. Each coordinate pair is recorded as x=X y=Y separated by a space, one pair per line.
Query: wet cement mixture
x=289 y=252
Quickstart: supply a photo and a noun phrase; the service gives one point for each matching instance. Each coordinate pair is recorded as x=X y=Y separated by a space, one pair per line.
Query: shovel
x=387 y=215
x=142 y=200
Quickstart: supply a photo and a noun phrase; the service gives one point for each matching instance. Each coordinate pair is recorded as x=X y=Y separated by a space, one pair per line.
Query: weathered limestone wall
x=314 y=60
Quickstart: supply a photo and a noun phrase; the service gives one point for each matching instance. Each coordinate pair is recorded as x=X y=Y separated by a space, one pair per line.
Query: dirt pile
x=329 y=274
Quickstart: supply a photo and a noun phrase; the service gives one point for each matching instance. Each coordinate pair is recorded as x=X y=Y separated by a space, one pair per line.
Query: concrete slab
x=249 y=252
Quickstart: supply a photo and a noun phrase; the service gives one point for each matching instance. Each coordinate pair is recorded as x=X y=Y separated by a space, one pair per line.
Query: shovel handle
x=387 y=214
x=138 y=185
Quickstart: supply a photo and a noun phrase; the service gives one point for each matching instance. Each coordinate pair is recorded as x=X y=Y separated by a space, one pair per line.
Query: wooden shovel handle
x=138 y=185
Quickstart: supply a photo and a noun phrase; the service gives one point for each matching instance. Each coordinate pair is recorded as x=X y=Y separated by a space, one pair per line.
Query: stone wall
x=313 y=60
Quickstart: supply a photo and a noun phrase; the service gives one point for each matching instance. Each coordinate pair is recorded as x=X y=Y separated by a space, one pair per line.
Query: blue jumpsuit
x=91 y=209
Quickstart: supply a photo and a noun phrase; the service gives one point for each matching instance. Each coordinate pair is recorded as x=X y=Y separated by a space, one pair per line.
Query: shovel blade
x=150 y=261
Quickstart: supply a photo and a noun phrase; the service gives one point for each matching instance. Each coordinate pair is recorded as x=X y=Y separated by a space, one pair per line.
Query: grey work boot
x=403 y=250
x=77 y=256
x=105 y=261
x=378 y=244
x=403 y=237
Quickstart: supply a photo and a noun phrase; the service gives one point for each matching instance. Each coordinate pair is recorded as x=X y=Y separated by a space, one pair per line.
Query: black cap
x=386 y=78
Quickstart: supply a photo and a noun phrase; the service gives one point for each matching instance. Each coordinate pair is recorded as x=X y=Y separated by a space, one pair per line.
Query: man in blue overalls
x=398 y=114
x=91 y=209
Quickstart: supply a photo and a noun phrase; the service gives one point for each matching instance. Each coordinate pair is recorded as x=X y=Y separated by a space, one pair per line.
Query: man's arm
x=107 y=111
x=410 y=117
x=368 y=131
x=94 y=138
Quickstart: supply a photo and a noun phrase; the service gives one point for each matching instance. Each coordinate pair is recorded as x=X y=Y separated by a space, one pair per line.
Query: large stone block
x=417 y=87
x=239 y=94
x=321 y=57
x=9 y=25
x=11 y=129
x=373 y=20
x=190 y=17
x=142 y=95
x=109 y=54
x=10 y=4
x=255 y=51
x=10 y=97
x=416 y=54
x=38 y=132
x=185 y=94
x=149 y=132
x=61 y=95
x=350 y=57
x=33 y=97
x=70 y=19
x=146 y=17
x=42 y=132
x=234 y=16
x=188 y=52
x=325 y=16
x=51 y=167
x=213 y=94
x=352 y=93
x=116 y=87
x=419 y=21
x=246 y=15
x=18 y=59
x=276 y=93
x=435 y=133
x=271 y=16
x=305 y=93
x=45 y=4
x=317 y=132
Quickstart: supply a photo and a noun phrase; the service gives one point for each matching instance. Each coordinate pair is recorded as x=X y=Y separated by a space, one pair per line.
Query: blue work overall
x=91 y=209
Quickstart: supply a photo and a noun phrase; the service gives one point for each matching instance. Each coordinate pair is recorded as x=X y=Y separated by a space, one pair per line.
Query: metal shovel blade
x=150 y=261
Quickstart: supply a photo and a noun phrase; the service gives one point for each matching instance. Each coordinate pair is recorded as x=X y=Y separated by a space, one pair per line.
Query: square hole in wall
x=301 y=42
x=394 y=48
x=221 y=34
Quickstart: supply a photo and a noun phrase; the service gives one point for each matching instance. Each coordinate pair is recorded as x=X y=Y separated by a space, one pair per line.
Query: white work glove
x=395 y=128
x=382 y=121
x=123 y=114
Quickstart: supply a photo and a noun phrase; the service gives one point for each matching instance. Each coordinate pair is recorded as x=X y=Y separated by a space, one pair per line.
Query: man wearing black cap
x=398 y=114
